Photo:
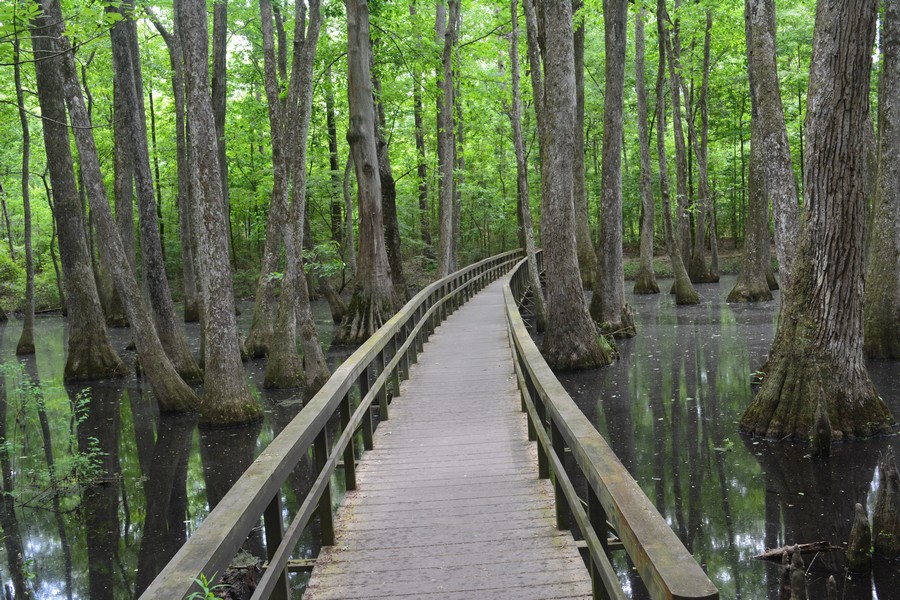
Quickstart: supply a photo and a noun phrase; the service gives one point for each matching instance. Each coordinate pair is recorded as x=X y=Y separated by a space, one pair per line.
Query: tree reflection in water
x=669 y=409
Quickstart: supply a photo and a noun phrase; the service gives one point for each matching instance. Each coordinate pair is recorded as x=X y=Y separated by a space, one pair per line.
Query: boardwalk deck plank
x=448 y=505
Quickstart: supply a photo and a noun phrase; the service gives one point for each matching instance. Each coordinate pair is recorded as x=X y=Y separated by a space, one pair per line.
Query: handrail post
x=395 y=372
x=274 y=535
x=382 y=391
x=326 y=519
x=559 y=496
x=367 y=425
x=597 y=517
x=543 y=462
x=346 y=409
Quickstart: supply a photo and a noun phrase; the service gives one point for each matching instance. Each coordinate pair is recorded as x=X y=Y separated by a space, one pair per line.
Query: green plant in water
x=207 y=590
x=37 y=482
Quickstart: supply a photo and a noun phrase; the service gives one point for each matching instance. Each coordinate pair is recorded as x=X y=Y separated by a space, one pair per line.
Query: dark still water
x=669 y=408
x=153 y=479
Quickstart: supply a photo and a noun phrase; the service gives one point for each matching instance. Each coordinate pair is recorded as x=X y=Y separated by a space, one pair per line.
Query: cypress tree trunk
x=226 y=399
x=645 y=282
x=219 y=96
x=682 y=220
x=524 y=203
x=699 y=271
x=682 y=288
x=882 y=299
x=608 y=307
x=752 y=284
x=188 y=240
x=388 y=197
x=25 y=344
x=766 y=93
x=89 y=353
x=571 y=340
x=817 y=352
x=131 y=116
x=445 y=32
x=284 y=368
x=337 y=205
x=421 y=165
x=372 y=302
x=587 y=258
x=172 y=394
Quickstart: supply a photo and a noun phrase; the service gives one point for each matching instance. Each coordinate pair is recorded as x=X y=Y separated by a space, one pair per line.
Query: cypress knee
x=831 y=591
x=886 y=518
x=798 y=576
x=784 y=588
x=859 y=548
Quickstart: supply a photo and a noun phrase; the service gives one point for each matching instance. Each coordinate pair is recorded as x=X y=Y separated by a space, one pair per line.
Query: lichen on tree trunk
x=817 y=351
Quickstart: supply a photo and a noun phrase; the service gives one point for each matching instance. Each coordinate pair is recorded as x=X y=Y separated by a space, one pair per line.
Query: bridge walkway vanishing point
x=449 y=505
x=446 y=502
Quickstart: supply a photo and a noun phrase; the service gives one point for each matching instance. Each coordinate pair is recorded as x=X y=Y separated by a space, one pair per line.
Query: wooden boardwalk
x=449 y=505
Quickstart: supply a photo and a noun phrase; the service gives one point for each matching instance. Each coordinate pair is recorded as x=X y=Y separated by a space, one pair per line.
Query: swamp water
x=668 y=408
x=156 y=477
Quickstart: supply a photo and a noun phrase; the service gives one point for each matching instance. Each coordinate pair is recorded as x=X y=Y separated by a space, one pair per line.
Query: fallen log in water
x=775 y=554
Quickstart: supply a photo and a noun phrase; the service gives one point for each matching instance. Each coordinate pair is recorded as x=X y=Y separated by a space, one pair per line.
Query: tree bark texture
x=682 y=288
x=131 y=116
x=172 y=393
x=445 y=33
x=699 y=270
x=817 y=352
x=608 y=307
x=587 y=258
x=524 y=203
x=25 y=345
x=882 y=294
x=219 y=97
x=752 y=284
x=284 y=367
x=226 y=397
x=571 y=340
x=682 y=218
x=766 y=94
x=372 y=302
x=89 y=353
x=388 y=196
x=645 y=282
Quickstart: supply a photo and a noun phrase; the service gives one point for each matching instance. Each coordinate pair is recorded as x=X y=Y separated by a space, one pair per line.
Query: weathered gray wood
x=212 y=546
x=449 y=503
x=666 y=567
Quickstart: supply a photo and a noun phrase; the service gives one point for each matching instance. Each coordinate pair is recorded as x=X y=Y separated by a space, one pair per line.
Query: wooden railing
x=616 y=513
x=383 y=358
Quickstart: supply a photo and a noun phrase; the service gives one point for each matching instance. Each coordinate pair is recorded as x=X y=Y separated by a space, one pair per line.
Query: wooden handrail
x=668 y=570
x=386 y=355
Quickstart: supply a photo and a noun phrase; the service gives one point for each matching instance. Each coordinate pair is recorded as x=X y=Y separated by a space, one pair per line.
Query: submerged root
x=365 y=315
x=645 y=282
x=798 y=377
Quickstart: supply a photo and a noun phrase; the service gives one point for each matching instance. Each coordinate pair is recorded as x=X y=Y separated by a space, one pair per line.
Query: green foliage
x=323 y=259
x=207 y=591
x=12 y=283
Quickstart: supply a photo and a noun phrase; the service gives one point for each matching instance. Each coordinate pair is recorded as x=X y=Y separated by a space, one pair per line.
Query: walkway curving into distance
x=448 y=505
